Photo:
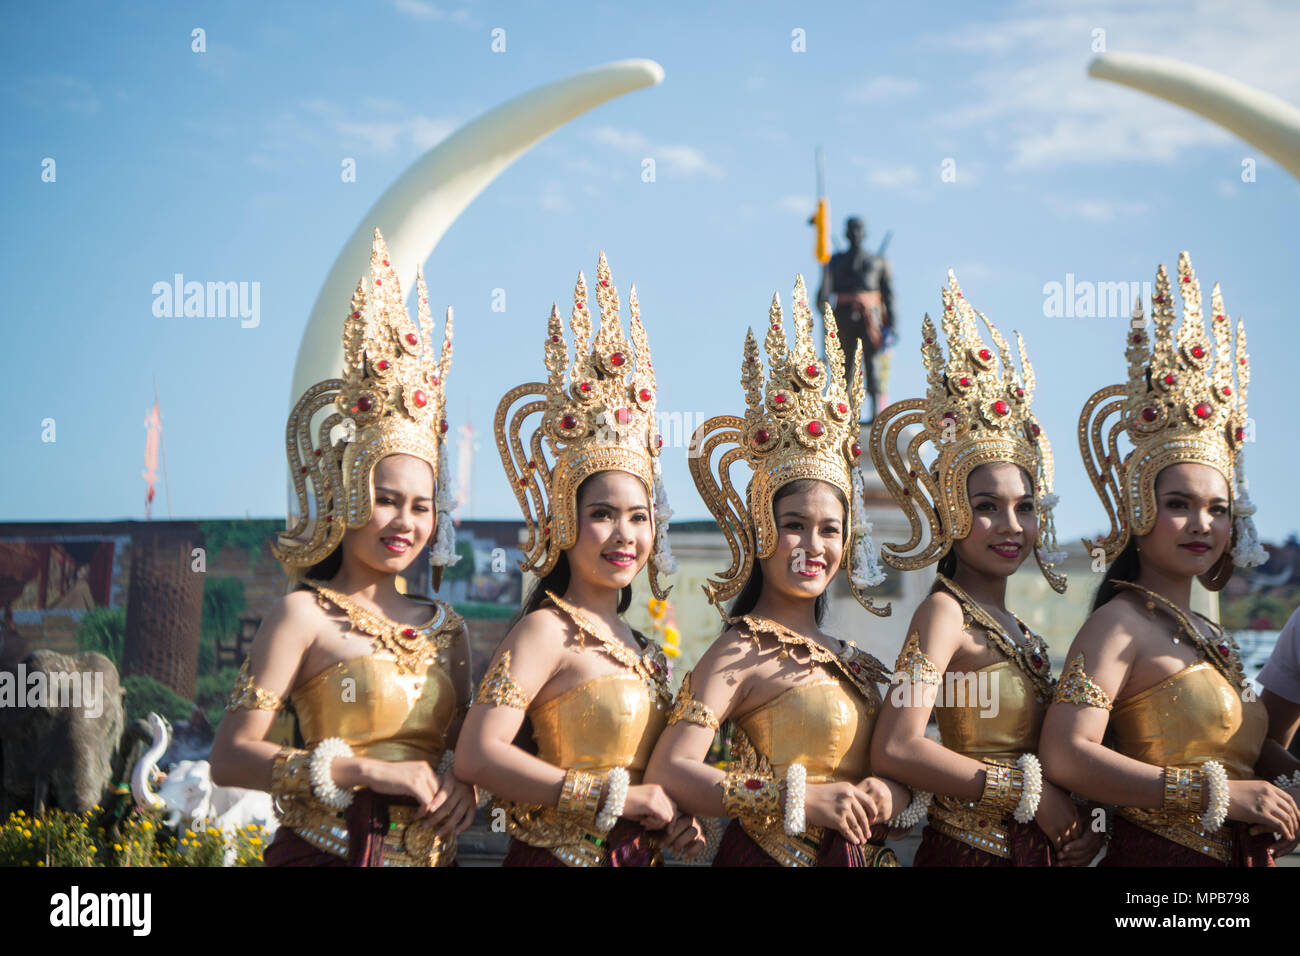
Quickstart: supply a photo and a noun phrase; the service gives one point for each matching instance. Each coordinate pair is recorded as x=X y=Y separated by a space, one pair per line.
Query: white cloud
x=893 y=177
x=881 y=89
x=680 y=159
x=1098 y=210
x=378 y=135
x=423 y=10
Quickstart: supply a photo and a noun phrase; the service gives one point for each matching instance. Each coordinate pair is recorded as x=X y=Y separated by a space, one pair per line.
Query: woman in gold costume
x=574 y=699
x=379 y=681
x=1153 y=713
x=799 y=785
x=986 y=500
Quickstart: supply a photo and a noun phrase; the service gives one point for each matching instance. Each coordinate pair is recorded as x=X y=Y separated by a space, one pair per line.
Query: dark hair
x=557 y=579
x=749 y=594
x=1125 y=567
x=326 y=567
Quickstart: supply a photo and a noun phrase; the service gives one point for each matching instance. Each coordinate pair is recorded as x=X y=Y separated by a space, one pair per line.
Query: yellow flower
x=256 y=841
x=212 y=830
x=37 y=824
x=27 y=833
x=189 y=833
x=147 y=825
x=94 y=849
x=40 y=862
x=117 y=847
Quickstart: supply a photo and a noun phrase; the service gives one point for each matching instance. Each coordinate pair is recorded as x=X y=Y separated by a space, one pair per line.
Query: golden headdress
x=600 y=417
x=976 y=410
x=1181 y=404
x=389 y=401
x=801 y=423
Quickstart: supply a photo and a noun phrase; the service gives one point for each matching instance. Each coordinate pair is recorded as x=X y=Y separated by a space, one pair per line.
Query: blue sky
x=224 y=166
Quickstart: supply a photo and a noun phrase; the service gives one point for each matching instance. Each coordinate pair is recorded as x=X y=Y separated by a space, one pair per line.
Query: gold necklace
x=652 y=666
x=1030 y=656
x=411 y=645
x=862 y=669
x=1223 y=654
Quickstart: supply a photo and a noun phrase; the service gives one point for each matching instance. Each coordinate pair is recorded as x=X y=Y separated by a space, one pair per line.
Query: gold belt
x=965 y=822
x=1183 y=829
x=802 y=850
x=548 y=829
x=408 y=842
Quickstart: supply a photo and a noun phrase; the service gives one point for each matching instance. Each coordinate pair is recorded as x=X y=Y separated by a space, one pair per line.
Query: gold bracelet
x=1002 y=787
x=687 y=708
x=580 y=795
x=291 y=776
x=751 y=797
x=1182 y=790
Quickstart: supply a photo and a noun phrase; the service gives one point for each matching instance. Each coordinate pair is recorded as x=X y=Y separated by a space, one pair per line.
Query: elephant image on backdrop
x=58 y=747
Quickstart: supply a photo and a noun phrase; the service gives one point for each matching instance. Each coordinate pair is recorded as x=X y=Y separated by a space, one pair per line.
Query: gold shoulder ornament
x=687 y=708
x=1076 y=687
x=248 y=696
x=913 y=664
x=499 y=689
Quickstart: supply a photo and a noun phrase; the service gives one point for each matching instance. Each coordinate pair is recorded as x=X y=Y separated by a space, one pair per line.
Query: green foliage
x=213 y=690
x=223 y=603
x=103 y=629
x=60 y=838
x=252 y=535
x=144 y=694
x=463 y=569
x=483 y=610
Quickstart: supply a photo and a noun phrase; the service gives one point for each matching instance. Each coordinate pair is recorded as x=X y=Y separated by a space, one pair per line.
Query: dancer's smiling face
x=401 y=517
x=615 y=530
x=1004 y=522
x=1193 y=520
x=810 y=535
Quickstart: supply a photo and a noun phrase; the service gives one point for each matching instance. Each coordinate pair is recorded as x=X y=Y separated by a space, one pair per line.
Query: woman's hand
x=1081 y=850
x=460 y=803
x=684 y=837
x=1057 y=816
x=649 y=805
x=405 y=778
x=1259 y=802
x=880 y=800
x=841 y=807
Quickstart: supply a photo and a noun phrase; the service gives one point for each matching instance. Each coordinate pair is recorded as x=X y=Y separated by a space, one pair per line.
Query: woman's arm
x=899 y=747
x=461 y=678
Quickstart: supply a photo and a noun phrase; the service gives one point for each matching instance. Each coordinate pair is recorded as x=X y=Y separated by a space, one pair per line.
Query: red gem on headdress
x=753 y=783
x=1000 y=407
x=1224 y=650
x=1171 y=379
x=1137 y=338
x=443 y=426
x=984 y=354
x=659 y=441
x=419 y=398
x=929 y=340
x=585 y=387
x=522 y=482
x=815 y=428
x=761 y=436
x=856 y=449
x=382 y=366
x=1227 y=390
x=644 y=394
x=1159 y=299
x=1035 y=429
x=1149 y=414
x=555 y=338
x=841 y=408
x=855 y=667
x=1036 y=659
x=568 y=421
x=1241 y=361
x=532 y=464
x=1186 y=278
x=616 y=359
x=751 y=359
x=365 y=403
x=1020 y=392
x=356 y=315
x=623 y=416
x=604 y=282
x=1198 y=352
x=1219 y=318
x=1202 y=410
x=319 y=452
x=379 y=282
x=434 y=379
x=960 y=296
x=984 y=823
x=812 y=371
x=964 y=381
x=412 y=338
x=907 y=490
x=385 y=262
x=779 y=398
x=408 y=632
x=303 y=469
x=1240 y=433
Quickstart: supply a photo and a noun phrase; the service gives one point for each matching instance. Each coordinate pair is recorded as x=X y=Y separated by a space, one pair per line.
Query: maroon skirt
x=1131 y=845
x=630 y=844
x=1028 y=844
x=739 y=849
x=367 y=820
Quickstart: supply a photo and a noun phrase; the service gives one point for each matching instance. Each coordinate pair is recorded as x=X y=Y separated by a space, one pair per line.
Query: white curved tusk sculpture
x=1261 y=119
x=417 y=210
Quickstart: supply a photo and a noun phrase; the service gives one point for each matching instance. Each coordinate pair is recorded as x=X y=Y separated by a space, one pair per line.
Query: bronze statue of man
x=864 y=302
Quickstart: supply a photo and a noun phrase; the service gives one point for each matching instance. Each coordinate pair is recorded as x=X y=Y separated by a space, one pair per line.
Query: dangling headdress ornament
x=1181 y=404
x=976 y=410
x=598 y=417
x=801 y=423
x=390 y=401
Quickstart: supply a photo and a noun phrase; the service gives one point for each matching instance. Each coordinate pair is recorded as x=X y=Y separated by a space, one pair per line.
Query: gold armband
x=499 y=688
x=752 y=798
x=1003 y=787
x=1182 y=789
x=580 y=795
x=687 y=708
x=1076 y=687
x=913 y=665
x=248 y=696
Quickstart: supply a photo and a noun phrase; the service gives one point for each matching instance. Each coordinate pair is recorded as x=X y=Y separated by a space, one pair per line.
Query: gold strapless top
x=1189 y=718
x=606 y=722
x=1013 y=730
x=377 y=709
x=823 y=724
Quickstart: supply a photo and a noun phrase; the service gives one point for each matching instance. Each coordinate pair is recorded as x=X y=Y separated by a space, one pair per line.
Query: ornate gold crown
x=976 y=410
x=600 y=418
x=801 y=423
x=389 y=401
x=1181 y=404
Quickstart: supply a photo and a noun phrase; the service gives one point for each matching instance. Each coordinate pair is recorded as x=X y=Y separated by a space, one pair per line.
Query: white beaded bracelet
x=1032 y=788
x=446 y=764
x=913 y=813
x=796 y=790
x=615 y=799
x=1216 y=810
x=322 y=784
x=1284 y=782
